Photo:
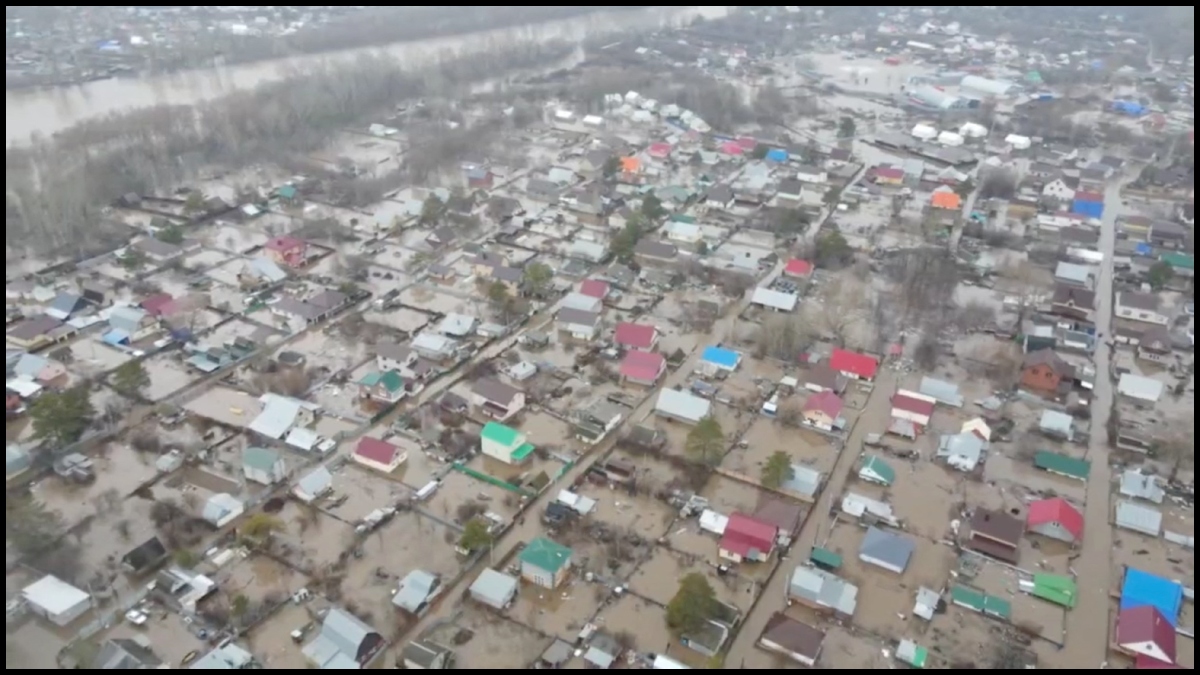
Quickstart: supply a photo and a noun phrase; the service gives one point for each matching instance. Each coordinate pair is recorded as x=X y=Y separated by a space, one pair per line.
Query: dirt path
x=742 y=654
x=1088 y=623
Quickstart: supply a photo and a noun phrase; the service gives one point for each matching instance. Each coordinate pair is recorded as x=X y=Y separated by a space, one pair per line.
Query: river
x=45 y=112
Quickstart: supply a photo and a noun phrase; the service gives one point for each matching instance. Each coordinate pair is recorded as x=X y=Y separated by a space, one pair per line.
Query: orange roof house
x=631 y=165
x=946 y=199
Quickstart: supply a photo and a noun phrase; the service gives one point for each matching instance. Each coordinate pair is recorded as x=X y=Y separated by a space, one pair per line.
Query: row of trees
x=58 y=187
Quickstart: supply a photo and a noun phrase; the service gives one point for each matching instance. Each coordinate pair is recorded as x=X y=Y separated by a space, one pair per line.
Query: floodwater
x=48 y=111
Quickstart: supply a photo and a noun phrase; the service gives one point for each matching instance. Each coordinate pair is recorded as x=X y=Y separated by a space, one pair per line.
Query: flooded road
x=44 y=112
x=1093 y=567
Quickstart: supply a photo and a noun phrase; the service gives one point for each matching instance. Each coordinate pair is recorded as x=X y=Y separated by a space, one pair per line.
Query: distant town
x=786 y=339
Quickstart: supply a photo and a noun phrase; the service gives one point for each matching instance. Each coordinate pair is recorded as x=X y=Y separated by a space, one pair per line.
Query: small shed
x=1138 y=485
x=1138 y=518
x=263 y=466
x=494 y=589
x=875 y=470
x=1062 y=465
x=56 y=601
x=886 y=550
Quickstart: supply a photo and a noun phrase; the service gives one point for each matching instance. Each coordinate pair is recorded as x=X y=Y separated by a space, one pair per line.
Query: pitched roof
x=1048 y=357
x=997 y=525
x=495 y=391
x=545 y=555
x=793 y=636
x=946 y=200
x=745 y=534
x=1141 y=625
x=501 y=433
x=798 y=268
x=1062 y=464
x=825 y=402
x=913 y=405
x=1056 y=510
x=888 y=547
x=375 y=450
x=634 y=335
x=846 y=361
x=594 y=288
x=1080 y=297
x=644 y=366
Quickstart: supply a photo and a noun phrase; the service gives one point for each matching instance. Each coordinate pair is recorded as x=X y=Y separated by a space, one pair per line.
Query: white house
x=314 y=486
x=282 y=413
x=263 y=466
x=497 y=399
x=1058 y=189
x=392 y=357
x=504 y=444
x=583 y=303
x=222 y=509
x=56 y=601
x=579 y=324
x=1142 y=307
x=812 y=174
x=685 y=234
x=379 y=455
x=774 y=300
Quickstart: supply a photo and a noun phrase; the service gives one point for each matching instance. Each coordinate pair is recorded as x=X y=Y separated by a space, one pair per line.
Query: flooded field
x=561 y=612
x=169 y=637
x=35 y=644
x=483 y=640
x=406 y=320
x=439 y=302
x=167 y=376
x=658 y=579
x=645 y=622
x=457 y=489
x=262 y=580
x=331 y=353
x=92 y=357
x=310 y=539
x=226 y=406
x=119 y=471
x=767 y=436
x=729 y=496
x=638 y=514
x=925 y=496
x=272 y=642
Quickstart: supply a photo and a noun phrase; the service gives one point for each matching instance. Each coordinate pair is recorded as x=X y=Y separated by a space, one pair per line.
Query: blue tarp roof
x=116 y=337
x=1143 y=249
x=777 y=155
x=725 y=358
x=1142 y=588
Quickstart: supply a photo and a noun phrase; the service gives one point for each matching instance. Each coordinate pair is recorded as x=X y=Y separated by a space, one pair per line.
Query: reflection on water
x=49 y=111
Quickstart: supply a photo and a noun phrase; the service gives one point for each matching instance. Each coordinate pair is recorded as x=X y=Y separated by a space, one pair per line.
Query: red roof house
x=660 y=150
x=1057 y=519
x=747 y=142
x=1093 y=197
x=796 y=267
x=636 y=336
x=1144 y=631
x=1144 y=662
x=732 y=148
x=747 y=539
x=823 y=409
x=854 y=365
x=889 y=175
x=644 y=368
x=157 y=305
x=288 y=251
x=379 y=455
x=916 y=410
x=594 y=288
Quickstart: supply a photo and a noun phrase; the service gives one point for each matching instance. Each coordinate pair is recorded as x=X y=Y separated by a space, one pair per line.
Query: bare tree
x=783 y=337
x=844 y=308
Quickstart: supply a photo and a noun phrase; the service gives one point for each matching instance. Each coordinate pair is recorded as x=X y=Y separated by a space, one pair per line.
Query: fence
x=492 y=480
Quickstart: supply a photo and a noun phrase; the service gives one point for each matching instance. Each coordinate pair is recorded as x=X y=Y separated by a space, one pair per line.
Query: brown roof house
x=1045 y=373
x=498 y=400
x=1155 y=345
x=1073 y=302
x=797 y=641
x=997 y=534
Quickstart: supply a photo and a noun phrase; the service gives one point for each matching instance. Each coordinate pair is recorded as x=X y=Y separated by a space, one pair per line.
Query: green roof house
x=977 y=601
x=1182 y=263
x=545 y=563
x=1062 y=465
x=263 y=466
x=875 y=470
x=505 y=444
x=385 y=387
x=1053 y=588
x=289 y=192
x=912 y=654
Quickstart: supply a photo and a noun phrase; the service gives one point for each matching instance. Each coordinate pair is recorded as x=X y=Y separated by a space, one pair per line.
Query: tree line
x=58 y=187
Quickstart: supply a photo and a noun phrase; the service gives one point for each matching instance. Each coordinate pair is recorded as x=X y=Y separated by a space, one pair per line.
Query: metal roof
x=682 y=405
x=886 y=547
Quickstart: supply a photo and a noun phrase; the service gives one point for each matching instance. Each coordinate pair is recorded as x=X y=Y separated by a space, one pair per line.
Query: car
x=137 y=617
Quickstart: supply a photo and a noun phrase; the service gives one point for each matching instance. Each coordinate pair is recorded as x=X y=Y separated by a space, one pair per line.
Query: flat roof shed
x=55 y=600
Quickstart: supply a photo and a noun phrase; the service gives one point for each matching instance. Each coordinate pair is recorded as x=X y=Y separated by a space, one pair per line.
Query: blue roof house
x=1088 y=205
x=719 y=359
x=1142 y=588
x=777 y=155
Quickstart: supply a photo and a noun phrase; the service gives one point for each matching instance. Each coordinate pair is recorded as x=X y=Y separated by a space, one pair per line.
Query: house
x=597 y=420
x=441 y=237
x=853 y=365
x=1073 y=275
x=578 y=324
x=636 y=336
x=682 y=406
x=425 y=655
x=822 y=591
x=221 y=509
x=786 y=515
x=497 y=400
x=997 y=534
x=875 y=470
x=34 y=333
x=132 y=323
x=545 y=563
x=962 y=451
x=390 y=356
x=1135 y=228
x=343 y=643
x=37 y=369
x=158 y=251
x=1138 y=485
x=56 y=601
x=379 y=455
x=228 y=657
x=823 y=378
x=643 y=368
x=791 y=190
x=480 y=178
x=719 y=197
x=594 y=288
x=687 y=235
x=583 y=303
x=287 y=251
x=157 y=305
x=1168 y=234
x=125 y=654
x=504 y=444
x=385 y=387
x=145 y=557
x=774 y=300
x=808 y=173
x=66 y=305
x=715 y=360
x=1139 y=588
x=1074 y=302
x=1055 y=519
x=542 y=190
x=887 y=550
x=457 y=325
x=314 y=486
x=494 y=589
x=824 y=411
x=1184 y=265
x=587 y=251
x=913 y=407
x=1060 y=189
x=602 y=652
x=436 y=348
x=797 y=641
x=280 y=414
x=798 y=269
x=889 y=176
x=1062 y=465
x=945 y=199
x=1057 y=425
x=501 y=208
x=263 y=466
x=1139 y=518
x=1142 y=390
x=804 y=482
x=1144 y=307
x=747 y=540
x=1044 y=372
x=1088 y=205
x=660 y=151
x=1144 y=631
x=416 y=592
x=651 y=252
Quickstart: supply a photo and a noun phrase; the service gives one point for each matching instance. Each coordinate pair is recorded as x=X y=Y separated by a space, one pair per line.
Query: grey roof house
x=823 y=591
x=682 y=406
x=494 y=589
x=66 y=305
x=542 y=190
x=416 y=591
x=343 y=643
x=804 y=482
x=229 y=657
x=887 y=550
x=124 y=654
x=1138 y=485
x=1057 y=425
x=425 y=655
